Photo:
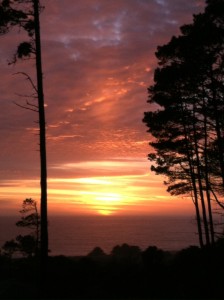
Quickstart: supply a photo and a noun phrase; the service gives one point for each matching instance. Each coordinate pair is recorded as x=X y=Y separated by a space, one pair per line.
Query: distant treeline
x=126 y=273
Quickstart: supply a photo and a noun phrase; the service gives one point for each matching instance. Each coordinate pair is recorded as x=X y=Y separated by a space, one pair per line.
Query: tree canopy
x=187 y=125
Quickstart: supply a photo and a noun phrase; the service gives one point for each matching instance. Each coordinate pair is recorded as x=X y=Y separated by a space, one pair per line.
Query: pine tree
x=186 y=120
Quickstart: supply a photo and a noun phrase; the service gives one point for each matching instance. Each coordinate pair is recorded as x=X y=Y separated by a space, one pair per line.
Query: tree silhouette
x=30 y=218
x=25 y=13
x=186 y=120
x=10 y=247
x=27 y=244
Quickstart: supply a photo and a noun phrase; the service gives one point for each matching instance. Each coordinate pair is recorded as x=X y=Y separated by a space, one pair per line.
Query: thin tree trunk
x=193 y=181
x=200 y=186
x=207 y=182
x=218 y=128
x=43 y=159
x=197 y=210
x=37 y=229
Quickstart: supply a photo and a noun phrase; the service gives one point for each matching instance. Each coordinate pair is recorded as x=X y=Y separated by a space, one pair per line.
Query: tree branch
x=216 y=199
x=29 y=79
x=25 y=107
x=33 y=96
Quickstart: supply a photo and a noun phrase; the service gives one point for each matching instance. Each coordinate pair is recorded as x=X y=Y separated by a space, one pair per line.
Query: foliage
x=187 y=116
x=10 y=16
x=97 y=252
x=10 y=247
x=30 y=217
x=190 y=273
x=126 y=254
x=28 y=244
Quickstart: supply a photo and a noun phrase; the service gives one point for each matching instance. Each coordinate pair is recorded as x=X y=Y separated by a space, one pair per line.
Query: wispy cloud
x=98 y=60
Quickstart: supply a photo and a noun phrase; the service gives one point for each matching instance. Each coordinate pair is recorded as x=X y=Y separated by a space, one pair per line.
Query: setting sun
x=108 y=203
x=104 y=195
x=105 y=212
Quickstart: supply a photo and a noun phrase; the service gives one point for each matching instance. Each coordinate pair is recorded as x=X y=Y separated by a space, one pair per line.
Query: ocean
x=79 y=235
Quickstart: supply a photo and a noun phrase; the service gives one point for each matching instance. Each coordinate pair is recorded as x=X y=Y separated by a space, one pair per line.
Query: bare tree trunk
x=218 y=127
x=37 y=231
x=193 y=180
x=197 y=210
x=200 y=185
x=207 y=182
x=43 y=159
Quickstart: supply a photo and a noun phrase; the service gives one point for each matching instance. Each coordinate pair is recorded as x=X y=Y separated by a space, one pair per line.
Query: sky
x=98 y=61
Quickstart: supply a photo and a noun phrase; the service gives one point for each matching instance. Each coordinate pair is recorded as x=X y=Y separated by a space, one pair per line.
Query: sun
x=107 y=203
x=105 y=212
x=100 y=195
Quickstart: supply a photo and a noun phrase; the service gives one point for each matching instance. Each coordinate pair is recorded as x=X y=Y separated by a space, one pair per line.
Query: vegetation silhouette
x=25 y=14
x=192 y=273
x=29 y=244
x=189 y=150
x=187 y=116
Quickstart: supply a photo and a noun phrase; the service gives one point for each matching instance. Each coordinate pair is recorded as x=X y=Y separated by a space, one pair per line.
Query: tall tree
x=25 y=13
x=42 y=126
x=187 y=125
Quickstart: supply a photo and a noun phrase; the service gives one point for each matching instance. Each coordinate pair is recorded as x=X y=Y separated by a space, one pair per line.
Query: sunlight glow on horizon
x=105 y=212
x=97 y=68
x=108 y=195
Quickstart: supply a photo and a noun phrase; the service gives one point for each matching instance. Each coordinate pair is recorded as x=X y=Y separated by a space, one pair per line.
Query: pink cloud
x=98 y=60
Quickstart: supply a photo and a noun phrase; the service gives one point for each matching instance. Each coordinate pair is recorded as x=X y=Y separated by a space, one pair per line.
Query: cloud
x=98 y=60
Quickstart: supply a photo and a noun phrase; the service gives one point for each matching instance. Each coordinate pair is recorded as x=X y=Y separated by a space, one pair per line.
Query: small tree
x=28 y=244
x=31 y=219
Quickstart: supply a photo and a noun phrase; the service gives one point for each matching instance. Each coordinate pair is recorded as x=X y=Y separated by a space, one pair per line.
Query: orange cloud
x=98 y=60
